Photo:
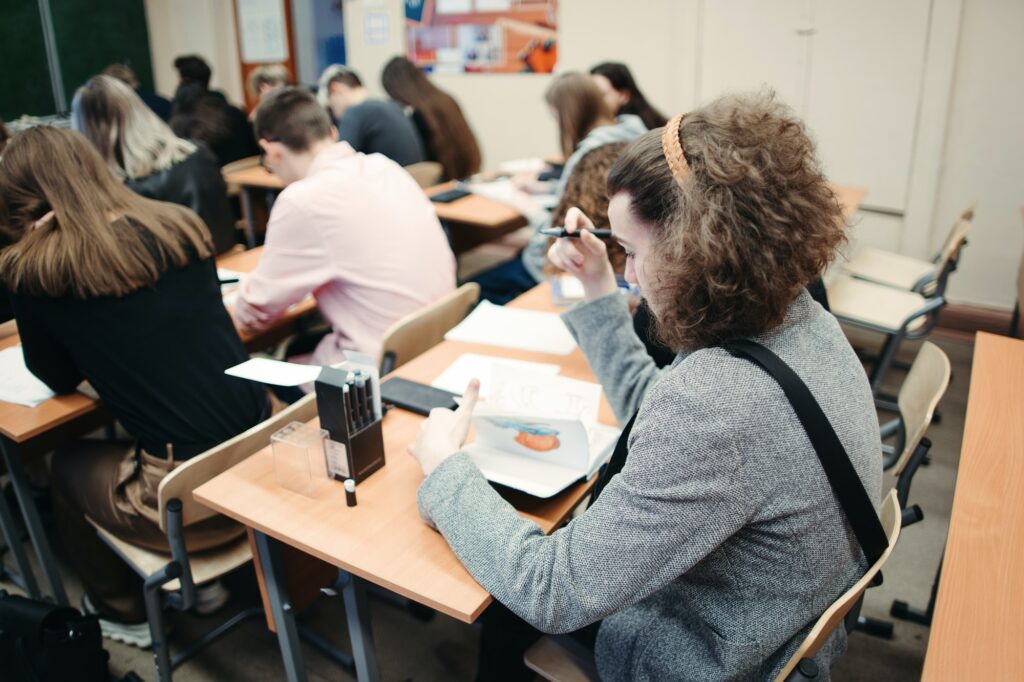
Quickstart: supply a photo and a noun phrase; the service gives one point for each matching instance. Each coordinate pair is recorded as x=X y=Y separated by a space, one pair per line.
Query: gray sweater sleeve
x=653 y=522
x=604 y=330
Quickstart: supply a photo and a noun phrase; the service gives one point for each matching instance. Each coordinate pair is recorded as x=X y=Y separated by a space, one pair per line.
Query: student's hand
x=586 y=257
x=444 y=431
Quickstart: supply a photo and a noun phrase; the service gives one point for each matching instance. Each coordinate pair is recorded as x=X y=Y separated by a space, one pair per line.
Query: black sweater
x=156 y=357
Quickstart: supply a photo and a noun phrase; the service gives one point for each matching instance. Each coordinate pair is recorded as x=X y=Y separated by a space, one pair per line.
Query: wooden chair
x=912 y=274
x=8 y=328
x=171 y=579
x=897 y=313
x=426 y=173
x=425 y=328
x=560 y=660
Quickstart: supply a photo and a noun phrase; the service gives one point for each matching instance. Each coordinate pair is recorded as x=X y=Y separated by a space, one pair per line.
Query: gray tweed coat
x=719 y=544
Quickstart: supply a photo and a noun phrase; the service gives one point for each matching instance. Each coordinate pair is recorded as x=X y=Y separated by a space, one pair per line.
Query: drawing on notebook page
x=532 y=435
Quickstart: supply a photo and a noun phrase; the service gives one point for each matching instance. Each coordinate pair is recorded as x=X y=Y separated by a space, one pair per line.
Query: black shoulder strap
x=835 y=461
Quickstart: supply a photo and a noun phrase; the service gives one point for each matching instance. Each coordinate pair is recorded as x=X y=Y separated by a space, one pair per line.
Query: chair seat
x=875 y=306
x=892 y=269
x=206 y=566
x=561 y=659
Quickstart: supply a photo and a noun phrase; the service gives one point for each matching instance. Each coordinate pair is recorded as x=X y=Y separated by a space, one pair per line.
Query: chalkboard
x=90 y=36
x=24 y=77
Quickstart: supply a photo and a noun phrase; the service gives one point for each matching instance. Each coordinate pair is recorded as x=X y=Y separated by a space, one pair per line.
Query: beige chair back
x=8 y=328
x=426 y=173
x=425 y=328
x=920 y=393
x=890 y=515
x=191 y=474
x=950 y=253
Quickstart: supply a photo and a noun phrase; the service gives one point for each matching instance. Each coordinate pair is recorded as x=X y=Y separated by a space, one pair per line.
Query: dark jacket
x=196 y=183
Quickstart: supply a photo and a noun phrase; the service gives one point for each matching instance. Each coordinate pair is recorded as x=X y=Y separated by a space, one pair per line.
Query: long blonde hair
x=128 y=135
x=102 y=239
x=580 y=108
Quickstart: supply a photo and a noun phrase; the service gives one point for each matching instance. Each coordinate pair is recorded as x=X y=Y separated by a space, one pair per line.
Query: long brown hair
x=620 y=78
x=103 y=239
x=451 y=141
x=752 y=223
x=579 y=106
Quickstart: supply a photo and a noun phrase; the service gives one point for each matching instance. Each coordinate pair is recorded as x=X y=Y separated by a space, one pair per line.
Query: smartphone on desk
x=414 y=396
x=449 y=196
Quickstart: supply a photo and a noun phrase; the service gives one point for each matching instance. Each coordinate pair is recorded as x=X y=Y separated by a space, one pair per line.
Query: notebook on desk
x=539 y=433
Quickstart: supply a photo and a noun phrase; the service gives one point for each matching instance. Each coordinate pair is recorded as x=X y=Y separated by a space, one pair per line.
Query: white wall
x=203 y=27
x=984 y=152
x=969 y=143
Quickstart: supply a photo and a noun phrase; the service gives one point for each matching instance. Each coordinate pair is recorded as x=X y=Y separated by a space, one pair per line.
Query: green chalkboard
x=90 y=35
x=24 y=75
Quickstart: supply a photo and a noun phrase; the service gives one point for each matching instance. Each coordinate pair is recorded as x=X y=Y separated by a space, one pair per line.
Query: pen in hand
x=561 y=232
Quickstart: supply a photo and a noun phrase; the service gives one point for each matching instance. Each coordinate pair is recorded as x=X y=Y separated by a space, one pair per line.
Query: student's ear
x=334 y=134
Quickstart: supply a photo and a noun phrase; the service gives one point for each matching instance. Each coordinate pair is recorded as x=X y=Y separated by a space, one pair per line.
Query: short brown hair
x=268 y=74
x=586 y=188
x=292 y=116
x=753 y=222
x=346 y=76
x=104 y=239
x=4 y=136
x=580 y=108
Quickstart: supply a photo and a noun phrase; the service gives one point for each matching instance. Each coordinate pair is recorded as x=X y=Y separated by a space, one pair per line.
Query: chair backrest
x=426 y=173
x=890 y=515
x=8 y=328
x=920 y=393
x=425 y=328
x=192 y=473
x=1020 y=289
x=948 y=257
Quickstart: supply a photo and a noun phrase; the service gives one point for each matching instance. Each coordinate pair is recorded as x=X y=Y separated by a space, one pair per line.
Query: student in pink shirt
x=354 y=230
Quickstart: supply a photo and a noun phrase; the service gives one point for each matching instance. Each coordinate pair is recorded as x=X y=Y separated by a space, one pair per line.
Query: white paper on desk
x=17 y=383
x=533 y=165
x=504 y=191
x=473 y=366
x=530 y=330
x=523 y=392
x=275 y=372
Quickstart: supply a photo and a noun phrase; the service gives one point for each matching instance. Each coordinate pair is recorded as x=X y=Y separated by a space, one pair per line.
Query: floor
x=444 y=649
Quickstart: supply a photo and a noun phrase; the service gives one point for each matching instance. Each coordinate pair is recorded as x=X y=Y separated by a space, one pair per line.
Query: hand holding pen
x=584 y=255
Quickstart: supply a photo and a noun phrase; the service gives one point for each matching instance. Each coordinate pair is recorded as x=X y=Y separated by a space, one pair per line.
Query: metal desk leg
x=31 y=515
x=284 y=617
x=250 y=221
x=358 y=616
x=13 y=538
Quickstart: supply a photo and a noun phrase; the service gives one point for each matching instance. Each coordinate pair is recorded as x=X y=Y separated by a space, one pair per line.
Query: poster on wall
x=482 y=36
x=261 y=27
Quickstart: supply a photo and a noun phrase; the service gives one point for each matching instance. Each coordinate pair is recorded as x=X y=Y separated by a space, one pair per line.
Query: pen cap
x=350 y=485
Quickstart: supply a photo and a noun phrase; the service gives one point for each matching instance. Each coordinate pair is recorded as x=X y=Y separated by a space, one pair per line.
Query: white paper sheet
x=520 y=392
x=17 y=384
x=473 y=366
x=514 y=328
x=533 y=165
x=275 y=372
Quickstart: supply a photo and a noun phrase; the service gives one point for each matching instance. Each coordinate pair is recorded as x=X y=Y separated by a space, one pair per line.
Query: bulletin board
x=482 y=36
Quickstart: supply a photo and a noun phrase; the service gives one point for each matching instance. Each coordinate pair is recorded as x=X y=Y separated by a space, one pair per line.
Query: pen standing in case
x=561 y=233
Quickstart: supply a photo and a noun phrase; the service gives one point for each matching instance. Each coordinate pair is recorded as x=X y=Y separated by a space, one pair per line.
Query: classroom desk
x=978 y=624
x=382 y=540
x=473 y=220
x=30 y=430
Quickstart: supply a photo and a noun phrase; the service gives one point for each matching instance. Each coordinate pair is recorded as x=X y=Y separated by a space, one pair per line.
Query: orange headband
x=673 y=149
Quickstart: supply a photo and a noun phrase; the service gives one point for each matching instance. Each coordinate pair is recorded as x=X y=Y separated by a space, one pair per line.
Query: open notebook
x=539 y=433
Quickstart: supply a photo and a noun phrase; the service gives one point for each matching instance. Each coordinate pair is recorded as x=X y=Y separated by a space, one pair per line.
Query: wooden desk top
x=383 y=539
x=473 y=210
x=978 y=624
x=21 y=423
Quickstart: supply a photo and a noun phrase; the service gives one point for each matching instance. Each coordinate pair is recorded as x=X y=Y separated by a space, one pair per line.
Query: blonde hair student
x=715 y=539
x=142 y=150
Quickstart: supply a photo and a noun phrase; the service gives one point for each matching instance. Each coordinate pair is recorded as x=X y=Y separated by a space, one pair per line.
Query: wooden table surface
x=21 y=423
x=978 y=625
x=383 y=539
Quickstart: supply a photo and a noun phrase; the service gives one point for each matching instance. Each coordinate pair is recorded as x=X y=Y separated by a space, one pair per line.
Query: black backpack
x=42 y=642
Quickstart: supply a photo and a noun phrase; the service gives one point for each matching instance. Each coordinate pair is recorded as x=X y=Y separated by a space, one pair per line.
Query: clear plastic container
x=300 y=461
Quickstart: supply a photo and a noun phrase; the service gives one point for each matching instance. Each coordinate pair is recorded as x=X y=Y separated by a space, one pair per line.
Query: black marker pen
x=561 y=233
